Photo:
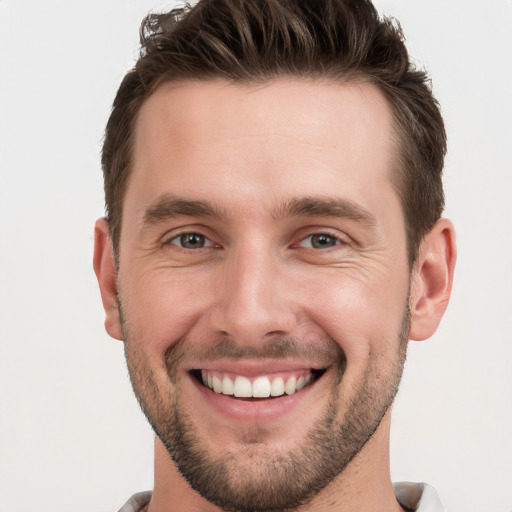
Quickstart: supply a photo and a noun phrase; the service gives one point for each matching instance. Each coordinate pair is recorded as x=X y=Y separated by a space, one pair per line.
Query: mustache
x=319 y=351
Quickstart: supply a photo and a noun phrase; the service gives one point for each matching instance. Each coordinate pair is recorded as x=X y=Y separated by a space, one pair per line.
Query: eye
x=320 y=241
x=191 y=241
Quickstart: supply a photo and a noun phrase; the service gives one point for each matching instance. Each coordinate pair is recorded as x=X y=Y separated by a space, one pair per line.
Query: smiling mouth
x=258 y=387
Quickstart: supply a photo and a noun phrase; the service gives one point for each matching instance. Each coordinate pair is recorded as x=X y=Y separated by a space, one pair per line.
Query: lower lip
x=252 y=411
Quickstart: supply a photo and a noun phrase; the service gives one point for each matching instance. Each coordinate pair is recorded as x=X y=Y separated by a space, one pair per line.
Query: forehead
x=262 y=140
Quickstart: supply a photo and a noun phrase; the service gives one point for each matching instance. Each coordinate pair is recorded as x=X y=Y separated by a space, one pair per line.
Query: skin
x=250 y=151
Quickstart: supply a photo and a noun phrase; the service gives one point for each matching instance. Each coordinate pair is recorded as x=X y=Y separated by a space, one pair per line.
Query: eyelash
x=179 y=236
x=336 y=238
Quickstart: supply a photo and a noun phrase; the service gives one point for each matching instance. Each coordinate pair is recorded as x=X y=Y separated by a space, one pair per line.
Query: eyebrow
x=171 y=206
x=325 y=207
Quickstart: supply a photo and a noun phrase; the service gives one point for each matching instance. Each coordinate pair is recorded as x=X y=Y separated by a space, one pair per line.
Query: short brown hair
x=254 y=41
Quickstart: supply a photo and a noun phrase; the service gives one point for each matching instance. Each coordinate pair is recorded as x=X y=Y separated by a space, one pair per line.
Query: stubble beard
x=257 y=478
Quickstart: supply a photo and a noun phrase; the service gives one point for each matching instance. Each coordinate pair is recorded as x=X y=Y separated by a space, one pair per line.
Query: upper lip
x=254 y=367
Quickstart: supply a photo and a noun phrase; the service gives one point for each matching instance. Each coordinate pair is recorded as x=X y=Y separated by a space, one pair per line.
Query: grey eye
x=322 y=241
x=190 y=240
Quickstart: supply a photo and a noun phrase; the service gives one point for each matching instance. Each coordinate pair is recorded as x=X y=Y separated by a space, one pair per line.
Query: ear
x=106 y=273
x=432 y=279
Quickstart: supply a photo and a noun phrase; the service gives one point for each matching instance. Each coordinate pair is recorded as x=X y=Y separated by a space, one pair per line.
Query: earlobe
x=432 y=279
x=106 y=273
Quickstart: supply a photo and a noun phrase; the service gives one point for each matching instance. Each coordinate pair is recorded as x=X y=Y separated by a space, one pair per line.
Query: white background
x=71 y=434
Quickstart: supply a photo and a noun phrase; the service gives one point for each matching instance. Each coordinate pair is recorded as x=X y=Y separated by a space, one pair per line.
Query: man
x=273 y=239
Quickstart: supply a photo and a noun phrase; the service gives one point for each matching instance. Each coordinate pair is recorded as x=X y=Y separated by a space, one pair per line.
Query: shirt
x=418 y=497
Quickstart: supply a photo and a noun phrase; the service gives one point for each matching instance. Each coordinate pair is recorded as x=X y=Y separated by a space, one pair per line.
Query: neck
x=364 y=486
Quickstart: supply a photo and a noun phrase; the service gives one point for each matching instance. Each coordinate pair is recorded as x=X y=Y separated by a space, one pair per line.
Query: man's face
x=263 y=251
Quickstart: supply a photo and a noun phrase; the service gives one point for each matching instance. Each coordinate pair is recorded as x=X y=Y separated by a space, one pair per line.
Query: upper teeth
x=260 y=387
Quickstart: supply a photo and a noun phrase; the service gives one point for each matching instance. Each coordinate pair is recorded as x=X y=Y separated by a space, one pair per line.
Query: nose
x=255 y=300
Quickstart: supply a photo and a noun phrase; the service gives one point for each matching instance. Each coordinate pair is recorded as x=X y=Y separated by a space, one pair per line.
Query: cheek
x=162 y=306
x=363 y=316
